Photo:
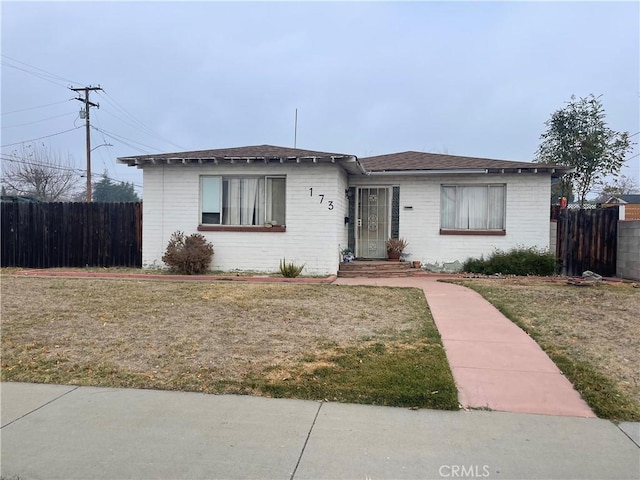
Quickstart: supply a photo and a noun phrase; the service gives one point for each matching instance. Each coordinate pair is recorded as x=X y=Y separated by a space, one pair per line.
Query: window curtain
x=275 y=200
x=231 y=202
x=496 y=207
x=448 y=207
x=476 y=201
x=245 y=201
x=472 y=207
x=248 y=204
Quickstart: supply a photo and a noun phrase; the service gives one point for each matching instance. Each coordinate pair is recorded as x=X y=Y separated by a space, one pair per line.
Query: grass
x=591 y=333
x=349 y=344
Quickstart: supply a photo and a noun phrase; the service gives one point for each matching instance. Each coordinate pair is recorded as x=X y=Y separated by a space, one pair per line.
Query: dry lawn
x=596 y=325
x=200 y=336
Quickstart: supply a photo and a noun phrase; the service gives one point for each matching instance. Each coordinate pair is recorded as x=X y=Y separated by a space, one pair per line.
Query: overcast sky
x=464 y=78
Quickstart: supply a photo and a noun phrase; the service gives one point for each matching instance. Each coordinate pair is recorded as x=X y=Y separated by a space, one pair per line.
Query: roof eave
x=348 y=162
x=448 y=171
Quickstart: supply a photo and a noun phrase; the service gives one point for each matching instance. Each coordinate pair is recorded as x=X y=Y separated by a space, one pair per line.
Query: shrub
x=188 y=255
x=396 y=245
x=290 y=270
x=518 y=261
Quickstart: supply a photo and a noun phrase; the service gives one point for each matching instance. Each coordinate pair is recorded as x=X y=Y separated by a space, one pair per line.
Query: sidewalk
x=495 y=364
x=67 y=432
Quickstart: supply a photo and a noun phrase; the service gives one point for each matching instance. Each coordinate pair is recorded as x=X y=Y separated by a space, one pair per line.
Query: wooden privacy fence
x=46 y=235
x=587 y=240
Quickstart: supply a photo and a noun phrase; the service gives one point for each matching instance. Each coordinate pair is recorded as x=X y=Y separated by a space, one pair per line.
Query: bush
x=188 y=255
x=518 y=261
x=290 y=270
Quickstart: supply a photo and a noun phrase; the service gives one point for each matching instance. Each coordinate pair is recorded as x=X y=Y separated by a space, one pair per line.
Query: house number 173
x=321 y=195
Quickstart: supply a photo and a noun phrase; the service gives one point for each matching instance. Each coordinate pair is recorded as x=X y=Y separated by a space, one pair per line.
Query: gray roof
x=420 y=161
x=632 y=199
x=404 y=162
x=255 y=152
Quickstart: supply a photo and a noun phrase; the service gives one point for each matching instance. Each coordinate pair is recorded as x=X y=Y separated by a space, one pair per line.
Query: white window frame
x=458 y=220
x=221 y=206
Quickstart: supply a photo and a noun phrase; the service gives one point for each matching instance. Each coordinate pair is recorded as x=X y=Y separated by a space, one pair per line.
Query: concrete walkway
x=495 y=364
x=68 y=432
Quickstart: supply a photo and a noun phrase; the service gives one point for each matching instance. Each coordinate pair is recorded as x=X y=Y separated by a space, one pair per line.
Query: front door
x=372 y=227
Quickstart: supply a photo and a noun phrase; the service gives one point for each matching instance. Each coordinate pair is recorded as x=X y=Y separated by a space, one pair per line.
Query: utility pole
x=87 y=105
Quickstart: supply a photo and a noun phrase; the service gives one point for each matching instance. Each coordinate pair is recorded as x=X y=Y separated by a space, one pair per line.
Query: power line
x=134 y=126
x=128 y=144
x=38 y=121
x=79 y=171
x=41 y=77
x=39 y=106
x=141 y=125
x=110 y=156
x=16 y=159
x=39 y=138
x=113 y=135
x=44 y=72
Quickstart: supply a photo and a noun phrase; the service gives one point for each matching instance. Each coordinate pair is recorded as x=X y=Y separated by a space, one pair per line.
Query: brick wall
x=316 y=231
x=628 y=255
x=527 y=215
x=313 y=232
x=632 y=212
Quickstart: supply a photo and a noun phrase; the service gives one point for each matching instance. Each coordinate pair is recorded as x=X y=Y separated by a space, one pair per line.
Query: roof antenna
x=295 y=131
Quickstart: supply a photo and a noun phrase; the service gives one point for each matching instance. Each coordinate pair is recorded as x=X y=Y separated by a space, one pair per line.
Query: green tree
x=108 y=191
x=577 y=136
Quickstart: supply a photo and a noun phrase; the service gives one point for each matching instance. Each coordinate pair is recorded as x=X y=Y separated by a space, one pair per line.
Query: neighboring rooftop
x=623 y=199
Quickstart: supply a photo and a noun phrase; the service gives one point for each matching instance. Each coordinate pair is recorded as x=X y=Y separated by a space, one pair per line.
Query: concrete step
x=374 y=266
x=384 y=274
x=376 y=269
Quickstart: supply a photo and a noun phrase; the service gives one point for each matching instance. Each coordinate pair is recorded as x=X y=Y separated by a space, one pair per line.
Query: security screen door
x=373 y=222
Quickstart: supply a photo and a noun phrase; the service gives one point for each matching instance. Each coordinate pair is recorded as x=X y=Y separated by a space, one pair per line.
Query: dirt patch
x=160 y=328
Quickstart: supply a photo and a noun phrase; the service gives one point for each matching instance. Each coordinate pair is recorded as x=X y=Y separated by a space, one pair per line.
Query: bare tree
x=622 y=185
x=36 y=171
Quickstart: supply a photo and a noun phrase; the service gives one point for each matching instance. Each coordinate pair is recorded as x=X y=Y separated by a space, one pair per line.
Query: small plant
x=395 y=248
x=188 y=255
x=396 y=245
x=347 y=255
x=518 y=261
x=290 y=270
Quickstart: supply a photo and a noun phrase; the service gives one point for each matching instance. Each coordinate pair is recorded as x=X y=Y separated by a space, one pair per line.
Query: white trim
x=430 y=172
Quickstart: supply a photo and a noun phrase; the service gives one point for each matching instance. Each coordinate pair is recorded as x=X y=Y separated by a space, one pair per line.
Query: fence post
x=565 y=240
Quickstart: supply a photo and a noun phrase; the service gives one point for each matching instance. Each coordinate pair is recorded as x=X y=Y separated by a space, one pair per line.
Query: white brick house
x=260 y=204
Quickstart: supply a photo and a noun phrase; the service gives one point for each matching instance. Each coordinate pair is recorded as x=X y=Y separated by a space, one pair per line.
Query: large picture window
x=242 y=200
x=473 y=207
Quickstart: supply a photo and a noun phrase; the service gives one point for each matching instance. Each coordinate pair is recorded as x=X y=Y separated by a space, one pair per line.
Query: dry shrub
x=188 y=255
x=290 y=270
